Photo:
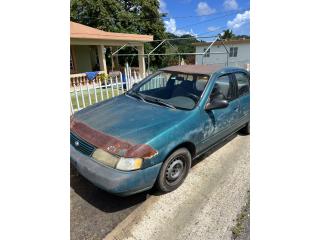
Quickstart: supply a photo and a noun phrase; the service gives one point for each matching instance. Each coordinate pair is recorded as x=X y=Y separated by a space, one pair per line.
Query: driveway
x=204 y=207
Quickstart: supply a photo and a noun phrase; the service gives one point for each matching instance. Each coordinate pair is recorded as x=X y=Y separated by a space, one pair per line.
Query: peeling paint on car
x=111 y=144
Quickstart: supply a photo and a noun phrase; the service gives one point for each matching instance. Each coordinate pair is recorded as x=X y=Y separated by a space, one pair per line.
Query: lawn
x=92 y=95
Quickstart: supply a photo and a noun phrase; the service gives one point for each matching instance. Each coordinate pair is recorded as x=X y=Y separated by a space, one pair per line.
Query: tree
x=227 y=34
x=129 y=16
x=182 y=44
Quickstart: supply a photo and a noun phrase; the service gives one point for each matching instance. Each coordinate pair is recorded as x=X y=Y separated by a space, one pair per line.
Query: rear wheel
x=246 y=129
x=174 y=170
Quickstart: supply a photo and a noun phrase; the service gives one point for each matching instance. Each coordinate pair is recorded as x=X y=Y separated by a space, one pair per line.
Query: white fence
x=85 y=92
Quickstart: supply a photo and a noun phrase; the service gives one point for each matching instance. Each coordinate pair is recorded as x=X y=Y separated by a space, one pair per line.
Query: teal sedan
x=149 y=135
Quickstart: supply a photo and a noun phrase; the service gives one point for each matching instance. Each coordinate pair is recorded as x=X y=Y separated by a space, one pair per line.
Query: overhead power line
x=201 y=16
x=194 y=24
x=176 y=17
x=211 y=19
x=218 y=28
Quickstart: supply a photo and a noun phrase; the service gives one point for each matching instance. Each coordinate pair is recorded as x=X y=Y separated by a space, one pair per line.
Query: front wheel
x=174 y=170
x=246 y=129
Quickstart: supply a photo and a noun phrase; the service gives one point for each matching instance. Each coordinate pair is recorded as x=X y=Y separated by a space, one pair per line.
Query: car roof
x=206 y=69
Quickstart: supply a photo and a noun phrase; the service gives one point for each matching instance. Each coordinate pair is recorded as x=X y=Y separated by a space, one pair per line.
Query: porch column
x=142 y=64
x=102 y=58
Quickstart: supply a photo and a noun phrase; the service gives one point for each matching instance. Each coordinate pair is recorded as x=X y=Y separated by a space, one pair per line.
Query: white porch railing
x=84 y=92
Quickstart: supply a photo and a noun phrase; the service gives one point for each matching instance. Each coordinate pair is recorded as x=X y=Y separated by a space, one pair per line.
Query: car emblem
x=76 y=143
x=111 y=148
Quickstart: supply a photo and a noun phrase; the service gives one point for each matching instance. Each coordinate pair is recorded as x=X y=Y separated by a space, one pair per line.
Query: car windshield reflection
x=171 y=89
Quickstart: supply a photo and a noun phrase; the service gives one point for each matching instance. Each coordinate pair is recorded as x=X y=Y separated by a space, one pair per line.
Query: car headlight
x=125 y=164
x=105 y=157
x=128 y=164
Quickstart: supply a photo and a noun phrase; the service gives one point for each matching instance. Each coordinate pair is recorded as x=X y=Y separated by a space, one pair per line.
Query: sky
x=206 y=17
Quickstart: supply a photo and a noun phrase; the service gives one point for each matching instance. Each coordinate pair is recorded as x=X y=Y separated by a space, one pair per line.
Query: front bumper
x=113 y=180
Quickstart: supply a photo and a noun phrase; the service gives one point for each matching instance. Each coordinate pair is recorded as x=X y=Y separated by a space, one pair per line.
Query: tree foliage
x=127 y=16
x=130 y=16
x=228 y=34
x=182 y=44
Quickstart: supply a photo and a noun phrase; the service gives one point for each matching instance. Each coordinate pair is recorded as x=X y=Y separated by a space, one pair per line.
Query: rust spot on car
x=139 y=150
x=109 y=143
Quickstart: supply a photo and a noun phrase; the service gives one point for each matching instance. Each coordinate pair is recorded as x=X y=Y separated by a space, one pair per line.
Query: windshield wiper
x=150 y=99
x=159 y=101
x=136 y=94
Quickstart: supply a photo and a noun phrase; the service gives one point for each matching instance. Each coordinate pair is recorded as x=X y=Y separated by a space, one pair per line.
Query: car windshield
x=171 y=89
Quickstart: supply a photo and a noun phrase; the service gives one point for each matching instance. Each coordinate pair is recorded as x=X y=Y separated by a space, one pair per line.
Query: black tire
x=174 y=170
x=246 y=129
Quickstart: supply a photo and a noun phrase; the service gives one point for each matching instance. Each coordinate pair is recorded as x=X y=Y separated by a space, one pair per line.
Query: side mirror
x=218 y=103
x=135 y=84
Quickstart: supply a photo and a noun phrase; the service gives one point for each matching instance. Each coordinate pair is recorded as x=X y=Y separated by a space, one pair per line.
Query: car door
x=218 y=123
x=243 y=85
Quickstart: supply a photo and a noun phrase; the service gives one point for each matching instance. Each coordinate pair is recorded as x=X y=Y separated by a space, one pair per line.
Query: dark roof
x=198 y=69
x=226 y=42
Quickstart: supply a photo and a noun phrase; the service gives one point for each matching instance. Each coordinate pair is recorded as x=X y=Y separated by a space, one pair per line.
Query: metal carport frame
x=151 y=53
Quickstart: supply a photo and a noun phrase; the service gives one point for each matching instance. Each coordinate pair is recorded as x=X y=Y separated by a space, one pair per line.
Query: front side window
x=222 y=89
x=243 y=83
x=175 y=90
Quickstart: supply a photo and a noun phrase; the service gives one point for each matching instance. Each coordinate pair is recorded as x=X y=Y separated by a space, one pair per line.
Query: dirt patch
x=241 y=229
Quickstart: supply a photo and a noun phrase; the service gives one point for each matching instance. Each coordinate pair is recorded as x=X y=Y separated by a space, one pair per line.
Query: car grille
x=81 y=145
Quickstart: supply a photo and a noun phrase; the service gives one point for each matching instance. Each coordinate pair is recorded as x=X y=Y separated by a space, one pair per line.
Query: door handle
x=236 y=108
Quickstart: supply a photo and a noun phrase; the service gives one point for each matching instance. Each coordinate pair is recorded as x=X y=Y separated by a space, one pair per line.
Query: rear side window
x=243 y=83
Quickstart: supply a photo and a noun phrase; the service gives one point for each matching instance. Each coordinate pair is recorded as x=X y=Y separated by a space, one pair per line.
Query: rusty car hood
x=129 y=119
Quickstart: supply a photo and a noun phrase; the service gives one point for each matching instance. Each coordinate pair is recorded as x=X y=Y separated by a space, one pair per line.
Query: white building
x=239 y=53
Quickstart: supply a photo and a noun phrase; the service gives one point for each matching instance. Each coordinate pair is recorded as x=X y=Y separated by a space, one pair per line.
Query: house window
x=233 y=52
x=207 y=54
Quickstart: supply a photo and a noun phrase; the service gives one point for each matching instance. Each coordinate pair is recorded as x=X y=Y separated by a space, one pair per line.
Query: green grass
x=91 y=93
x=239 y=227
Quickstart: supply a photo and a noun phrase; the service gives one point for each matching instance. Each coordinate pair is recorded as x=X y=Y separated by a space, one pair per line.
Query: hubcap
x=174 y=170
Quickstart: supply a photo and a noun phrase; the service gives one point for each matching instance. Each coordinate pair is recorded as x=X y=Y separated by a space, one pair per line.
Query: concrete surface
x=204 y=207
